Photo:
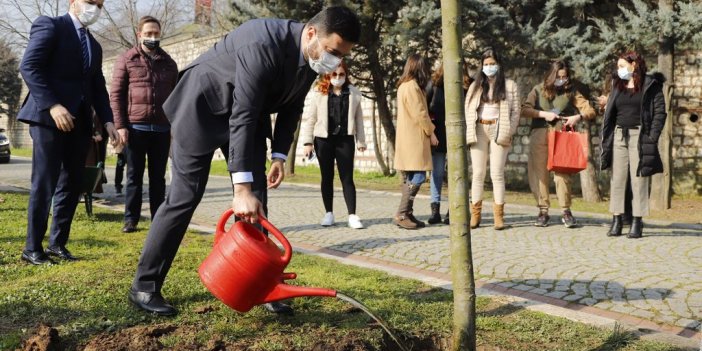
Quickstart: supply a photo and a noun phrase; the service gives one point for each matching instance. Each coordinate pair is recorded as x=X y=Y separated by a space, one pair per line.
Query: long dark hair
x=639 y=71
x=550 y=89
x=498 y=91
x=416 y=68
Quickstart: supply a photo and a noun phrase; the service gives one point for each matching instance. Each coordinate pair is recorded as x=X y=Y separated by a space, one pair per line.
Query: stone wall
x=687 y=123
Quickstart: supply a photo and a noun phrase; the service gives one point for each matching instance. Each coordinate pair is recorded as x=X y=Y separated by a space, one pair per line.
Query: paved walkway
x=657 y=278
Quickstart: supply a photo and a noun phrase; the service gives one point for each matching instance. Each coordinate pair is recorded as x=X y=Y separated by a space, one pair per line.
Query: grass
x=685 y=207
x=87 y=298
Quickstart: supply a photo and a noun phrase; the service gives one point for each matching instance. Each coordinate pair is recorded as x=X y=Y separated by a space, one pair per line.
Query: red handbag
x=567 y=151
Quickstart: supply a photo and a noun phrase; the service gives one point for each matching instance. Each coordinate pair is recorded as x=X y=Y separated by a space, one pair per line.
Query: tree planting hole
x=694 y=118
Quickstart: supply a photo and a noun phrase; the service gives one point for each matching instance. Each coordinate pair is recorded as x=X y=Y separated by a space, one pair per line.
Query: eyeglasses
x=334 y=74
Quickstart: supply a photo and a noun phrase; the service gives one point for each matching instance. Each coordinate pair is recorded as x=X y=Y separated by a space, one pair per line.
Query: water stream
x=382 y=323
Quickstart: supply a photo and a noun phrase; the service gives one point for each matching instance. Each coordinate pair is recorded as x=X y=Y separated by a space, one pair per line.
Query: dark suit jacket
x=52 y=67
x=229 y=92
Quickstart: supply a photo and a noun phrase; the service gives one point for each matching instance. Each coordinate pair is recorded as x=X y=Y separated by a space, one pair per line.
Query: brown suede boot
x=499 y=213
x=476 y=214
x=402 y=218
x=413 y=190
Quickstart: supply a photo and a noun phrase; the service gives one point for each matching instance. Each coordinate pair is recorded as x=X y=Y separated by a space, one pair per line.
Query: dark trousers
x=119 y=170
x=58 y=161
x=342 y=149
x=143 y=145
x=189 y=177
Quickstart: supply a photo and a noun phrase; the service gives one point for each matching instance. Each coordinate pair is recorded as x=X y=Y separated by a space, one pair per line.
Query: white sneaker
x=355 y=222
x=328 y=219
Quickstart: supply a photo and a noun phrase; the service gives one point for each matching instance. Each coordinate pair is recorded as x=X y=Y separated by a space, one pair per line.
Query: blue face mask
x=490 y=70
x=624 y=73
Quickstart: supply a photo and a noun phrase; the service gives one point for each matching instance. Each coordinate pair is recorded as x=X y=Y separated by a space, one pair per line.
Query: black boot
x=636 y=230
x=435 y=213
x=446 y=219
x=616 y=228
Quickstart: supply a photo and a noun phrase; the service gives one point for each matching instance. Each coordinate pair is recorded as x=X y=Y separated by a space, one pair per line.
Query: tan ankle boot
x=476 y=213
x=499 y=213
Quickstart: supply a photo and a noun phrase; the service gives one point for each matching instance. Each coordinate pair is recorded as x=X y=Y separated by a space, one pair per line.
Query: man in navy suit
x=62 y=66
x=224 y=100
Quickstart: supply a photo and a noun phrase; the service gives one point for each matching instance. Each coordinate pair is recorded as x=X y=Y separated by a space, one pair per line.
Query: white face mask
x=560 y=82
x=89 y=13
x=338 y=82
x=624 y=73
x=326 y=63
x=490 y=70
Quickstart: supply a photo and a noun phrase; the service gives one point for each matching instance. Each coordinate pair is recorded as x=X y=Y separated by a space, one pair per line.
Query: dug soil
x=156 y=337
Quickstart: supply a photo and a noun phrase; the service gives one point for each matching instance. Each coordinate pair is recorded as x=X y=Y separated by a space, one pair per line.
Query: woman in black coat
x=634 y=117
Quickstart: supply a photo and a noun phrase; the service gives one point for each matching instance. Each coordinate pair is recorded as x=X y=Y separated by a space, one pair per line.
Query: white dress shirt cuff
x=242 y=177
x=283 y=157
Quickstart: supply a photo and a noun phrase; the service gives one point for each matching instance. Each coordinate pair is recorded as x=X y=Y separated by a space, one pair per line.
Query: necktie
x=84 y=47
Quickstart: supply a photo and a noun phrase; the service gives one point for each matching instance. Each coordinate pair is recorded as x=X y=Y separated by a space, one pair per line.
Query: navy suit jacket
x=52 y=68
x=228 y=93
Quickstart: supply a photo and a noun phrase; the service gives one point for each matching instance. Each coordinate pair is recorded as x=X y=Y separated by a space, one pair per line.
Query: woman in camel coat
x=415 y=136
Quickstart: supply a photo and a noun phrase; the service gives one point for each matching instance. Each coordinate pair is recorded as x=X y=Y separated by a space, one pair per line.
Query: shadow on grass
x=107 y=217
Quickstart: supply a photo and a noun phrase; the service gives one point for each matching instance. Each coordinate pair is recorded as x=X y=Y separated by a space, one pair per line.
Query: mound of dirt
x=45 y=338
x=136 y=338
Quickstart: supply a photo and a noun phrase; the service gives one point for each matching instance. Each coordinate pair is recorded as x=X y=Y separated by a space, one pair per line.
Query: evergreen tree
x=10 y=83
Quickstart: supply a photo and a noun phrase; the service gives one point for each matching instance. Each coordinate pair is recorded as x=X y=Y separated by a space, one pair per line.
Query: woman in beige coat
x=332 y=125
x=492 y=116
x=415 y=136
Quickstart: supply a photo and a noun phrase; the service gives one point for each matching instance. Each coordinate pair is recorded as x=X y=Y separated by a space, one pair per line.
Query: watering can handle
x=278 y=235
x=266 y=224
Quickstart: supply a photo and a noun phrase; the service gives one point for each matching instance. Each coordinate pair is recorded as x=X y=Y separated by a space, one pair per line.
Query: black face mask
x=151 y=44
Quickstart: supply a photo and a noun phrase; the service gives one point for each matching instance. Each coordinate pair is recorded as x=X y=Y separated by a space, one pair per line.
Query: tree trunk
x=376 y=146
x=464 y=338
x=662 y=183
x=588 y=177
x=290 y=162
x=379 y=92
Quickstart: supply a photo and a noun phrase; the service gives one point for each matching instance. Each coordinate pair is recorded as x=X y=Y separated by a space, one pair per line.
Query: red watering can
x=245 y=268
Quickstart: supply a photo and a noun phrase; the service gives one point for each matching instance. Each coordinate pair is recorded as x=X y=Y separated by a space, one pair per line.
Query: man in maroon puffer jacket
x=142 y=79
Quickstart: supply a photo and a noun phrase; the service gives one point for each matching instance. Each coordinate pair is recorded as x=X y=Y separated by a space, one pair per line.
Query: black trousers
x=190 y=172
x=155 y=147
x=342 y=149
x=58 y=162
x=119 y=170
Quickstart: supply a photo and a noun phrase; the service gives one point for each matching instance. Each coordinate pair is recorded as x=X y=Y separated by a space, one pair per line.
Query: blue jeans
x=415 y=177
x=438 y=160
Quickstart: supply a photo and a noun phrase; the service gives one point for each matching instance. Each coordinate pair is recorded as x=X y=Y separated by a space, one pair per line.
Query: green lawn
x=86 y=302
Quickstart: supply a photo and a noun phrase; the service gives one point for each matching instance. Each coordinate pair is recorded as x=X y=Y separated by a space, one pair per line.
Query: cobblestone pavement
x=656 y=278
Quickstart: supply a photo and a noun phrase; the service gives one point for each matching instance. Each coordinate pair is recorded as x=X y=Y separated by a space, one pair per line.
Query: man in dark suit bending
x=62 y=67
x=224 y=100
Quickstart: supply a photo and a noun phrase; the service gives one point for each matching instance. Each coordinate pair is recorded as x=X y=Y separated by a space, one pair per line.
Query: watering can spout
x=285 y=291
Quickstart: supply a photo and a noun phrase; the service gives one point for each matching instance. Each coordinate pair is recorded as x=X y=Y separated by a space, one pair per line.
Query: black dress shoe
x=151 y=302
x=636 y=230
x=616 y=228
x=129 y=227
x=36 y=257
x=62 y=252
x=279 y=308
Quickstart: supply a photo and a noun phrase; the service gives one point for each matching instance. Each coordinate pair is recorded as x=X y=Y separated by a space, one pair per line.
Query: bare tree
x=116 y=28
x=19 y=15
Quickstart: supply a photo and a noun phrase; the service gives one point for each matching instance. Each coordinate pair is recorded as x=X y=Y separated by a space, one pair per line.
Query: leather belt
x=485 y=121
